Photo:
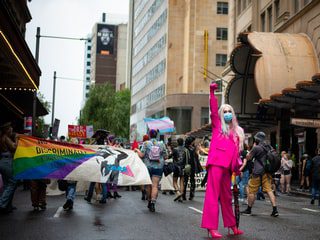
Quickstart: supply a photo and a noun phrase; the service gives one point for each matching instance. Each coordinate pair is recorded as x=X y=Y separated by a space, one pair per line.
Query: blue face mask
x=227 y=117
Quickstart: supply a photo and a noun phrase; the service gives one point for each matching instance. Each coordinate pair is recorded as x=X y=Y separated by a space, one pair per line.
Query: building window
x=204 y=115
x=221 y=60
x=88 y=71
x=263 y=22
x=277 y=8
x=89 y=48
x=88 y=64
x=296 y=6
x=239 y=7
x=87 y=87
x=88 y=78
x=222 y=8
x=87 y=95
x=270 y=26
x=222 y=33
x=306 y=2
x=88 y=55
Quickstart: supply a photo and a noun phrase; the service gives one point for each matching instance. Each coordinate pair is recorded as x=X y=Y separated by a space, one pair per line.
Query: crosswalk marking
x=58 y=212
x=194 y=209
x=311 y=210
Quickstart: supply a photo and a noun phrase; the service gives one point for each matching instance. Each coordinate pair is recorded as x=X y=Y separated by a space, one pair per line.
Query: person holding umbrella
x=223 y=158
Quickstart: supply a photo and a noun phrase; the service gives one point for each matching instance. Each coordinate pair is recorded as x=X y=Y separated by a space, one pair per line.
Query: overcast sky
x=67 y=18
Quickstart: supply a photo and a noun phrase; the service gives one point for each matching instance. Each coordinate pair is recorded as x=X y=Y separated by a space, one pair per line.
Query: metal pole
x=34 y=107
x=53 y=97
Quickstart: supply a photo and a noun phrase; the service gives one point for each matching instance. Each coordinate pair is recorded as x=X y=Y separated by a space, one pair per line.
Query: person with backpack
x=179 y=157
x=315 y=168
x=223 y=159
x=262 y=172
x=154 y=153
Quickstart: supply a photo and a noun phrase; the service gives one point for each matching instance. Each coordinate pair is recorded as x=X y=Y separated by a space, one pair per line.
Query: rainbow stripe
x=41 y=159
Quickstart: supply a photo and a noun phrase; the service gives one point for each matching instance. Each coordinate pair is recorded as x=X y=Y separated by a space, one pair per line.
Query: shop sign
x=304 y=122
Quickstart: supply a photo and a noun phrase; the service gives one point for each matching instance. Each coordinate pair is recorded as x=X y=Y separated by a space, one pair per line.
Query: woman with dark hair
x=8 y=146
x=223 y=159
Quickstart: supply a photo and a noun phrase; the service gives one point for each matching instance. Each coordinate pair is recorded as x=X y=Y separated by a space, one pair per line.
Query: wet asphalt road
x=129 y=218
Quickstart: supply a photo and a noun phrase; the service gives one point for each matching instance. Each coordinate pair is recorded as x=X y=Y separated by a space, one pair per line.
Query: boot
x=68 y=205
x=191 y=196
x=116 y=195
x=109 y=195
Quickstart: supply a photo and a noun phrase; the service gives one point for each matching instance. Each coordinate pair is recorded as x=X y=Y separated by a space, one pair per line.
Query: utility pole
x=53 y=96
x=34 y=107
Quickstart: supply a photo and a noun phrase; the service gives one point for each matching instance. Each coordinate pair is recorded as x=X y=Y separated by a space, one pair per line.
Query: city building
x=273 y=70
x=19 y=72
x=106 y=56
x=176 y=46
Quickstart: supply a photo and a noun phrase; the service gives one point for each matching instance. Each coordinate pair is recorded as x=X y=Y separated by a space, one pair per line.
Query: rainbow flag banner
x=37 y=158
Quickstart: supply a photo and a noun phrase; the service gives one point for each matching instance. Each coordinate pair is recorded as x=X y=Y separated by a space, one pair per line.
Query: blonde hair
x=232 y=127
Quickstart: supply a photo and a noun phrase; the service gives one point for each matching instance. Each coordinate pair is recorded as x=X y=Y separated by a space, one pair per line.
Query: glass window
x=239 y=7
x=263 y=22
x=222 y=33
x=88 y=55
x=204 y=115
x=89 y=48
x=222 y=8
x=88 y=71
x=88 y=63
x=87 y=95
x=88 y=78
x=221 y=60
x=270 y=26
x=277 y=8
x=87 y=87
x=176 y=114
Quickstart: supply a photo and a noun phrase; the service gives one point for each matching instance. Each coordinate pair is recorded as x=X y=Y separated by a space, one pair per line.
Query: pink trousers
x=218 y=189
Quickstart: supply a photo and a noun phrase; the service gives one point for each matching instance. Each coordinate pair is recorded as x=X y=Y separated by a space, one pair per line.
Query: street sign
x=80 y=131
x=304 y=122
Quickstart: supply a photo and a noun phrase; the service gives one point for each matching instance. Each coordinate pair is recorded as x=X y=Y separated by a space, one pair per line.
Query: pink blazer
x=224 y=150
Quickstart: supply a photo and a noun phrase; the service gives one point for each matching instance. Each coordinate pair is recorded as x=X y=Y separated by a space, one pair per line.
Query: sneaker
x=312 y=201
x=177 y=197
x=274 y=213
x=246 y=212
x=152 y=207
x=87 y=199
x=68 y=205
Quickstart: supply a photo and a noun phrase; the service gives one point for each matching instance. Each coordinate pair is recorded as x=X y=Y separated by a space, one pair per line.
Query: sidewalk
x=295 y=190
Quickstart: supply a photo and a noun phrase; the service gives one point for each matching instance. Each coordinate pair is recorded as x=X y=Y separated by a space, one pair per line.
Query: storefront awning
x=274 y=69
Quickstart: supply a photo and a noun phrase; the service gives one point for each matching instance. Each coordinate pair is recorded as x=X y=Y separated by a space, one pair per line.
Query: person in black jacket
x=315 y=168
x=195 y=167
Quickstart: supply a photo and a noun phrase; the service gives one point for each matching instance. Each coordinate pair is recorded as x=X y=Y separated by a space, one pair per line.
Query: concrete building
x=106 y=56
x=87 y=68
x=174 y=43
x=273 y=70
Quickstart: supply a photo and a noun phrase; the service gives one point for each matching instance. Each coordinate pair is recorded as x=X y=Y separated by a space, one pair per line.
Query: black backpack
x=272 y=160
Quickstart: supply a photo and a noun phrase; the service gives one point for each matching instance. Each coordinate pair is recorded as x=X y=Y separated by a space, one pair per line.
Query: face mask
x=227 y=117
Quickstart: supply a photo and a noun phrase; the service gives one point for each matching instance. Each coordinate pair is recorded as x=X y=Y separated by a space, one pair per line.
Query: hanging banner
x=80 y=131
x=41 y=159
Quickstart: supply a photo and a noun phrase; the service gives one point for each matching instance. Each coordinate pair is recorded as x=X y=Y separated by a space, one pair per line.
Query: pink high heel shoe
x=214 y=233
x=236 y=231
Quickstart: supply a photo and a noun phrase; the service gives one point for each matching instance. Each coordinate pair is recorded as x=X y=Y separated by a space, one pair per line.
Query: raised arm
x=215 y=121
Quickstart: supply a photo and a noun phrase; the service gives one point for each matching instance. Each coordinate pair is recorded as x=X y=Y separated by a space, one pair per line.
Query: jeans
x=243 y=182
x=9 y=183
x=315 y=189
x=91 y=189
x=71 y=191
x=192 y=182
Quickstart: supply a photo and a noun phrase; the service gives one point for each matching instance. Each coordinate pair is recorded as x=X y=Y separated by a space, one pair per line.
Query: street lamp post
x=34 y=109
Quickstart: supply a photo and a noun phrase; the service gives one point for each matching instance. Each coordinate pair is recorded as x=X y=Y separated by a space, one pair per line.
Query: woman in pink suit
x=223 y=159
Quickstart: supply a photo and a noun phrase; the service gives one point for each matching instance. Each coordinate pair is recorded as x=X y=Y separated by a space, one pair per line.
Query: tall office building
x=87 y=68
x=174 y=43
x=105 y=56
